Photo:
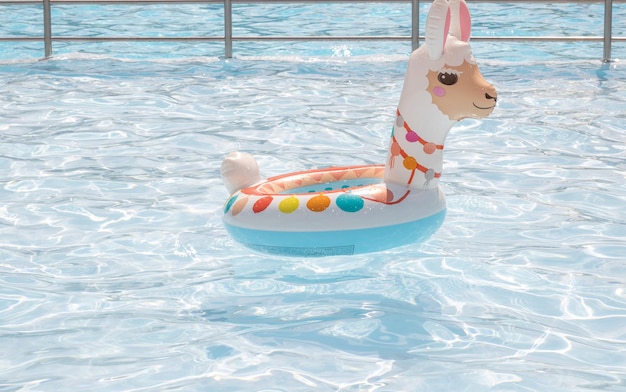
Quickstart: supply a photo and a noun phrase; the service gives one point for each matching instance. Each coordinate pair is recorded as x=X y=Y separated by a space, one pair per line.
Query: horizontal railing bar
x=102 y=39
x=20 y=2
x=204 y=1
x=400 y=38
x=228 y=38
x=234 y=38
x=318 y=38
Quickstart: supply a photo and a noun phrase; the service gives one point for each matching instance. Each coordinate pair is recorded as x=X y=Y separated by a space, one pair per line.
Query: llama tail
x=239 y=170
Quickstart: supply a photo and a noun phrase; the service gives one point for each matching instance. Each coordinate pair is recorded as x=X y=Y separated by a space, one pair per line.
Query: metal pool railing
x=228 y=38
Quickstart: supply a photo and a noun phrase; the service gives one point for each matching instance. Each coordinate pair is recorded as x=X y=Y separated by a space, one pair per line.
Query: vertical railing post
x=608 y=29
x=47 y=29
x=228 y=29
x=415 y=24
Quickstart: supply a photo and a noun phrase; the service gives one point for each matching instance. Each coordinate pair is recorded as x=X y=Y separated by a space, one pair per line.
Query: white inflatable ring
x=339 y=210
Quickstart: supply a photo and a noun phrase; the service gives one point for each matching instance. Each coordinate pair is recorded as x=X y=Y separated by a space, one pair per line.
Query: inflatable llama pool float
x=357 y=209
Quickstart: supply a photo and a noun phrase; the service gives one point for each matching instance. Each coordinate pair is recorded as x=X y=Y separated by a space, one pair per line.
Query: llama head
x=443 y=71
x=442 y=86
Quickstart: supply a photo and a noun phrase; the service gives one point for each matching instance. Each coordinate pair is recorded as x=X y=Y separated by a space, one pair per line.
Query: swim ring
x=367 y=208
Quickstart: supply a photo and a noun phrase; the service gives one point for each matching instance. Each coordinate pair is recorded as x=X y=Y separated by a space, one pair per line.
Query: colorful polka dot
x=229 y=204
x=289 y=205
x=350 y=202
x=261 y=204
x=318 y=203
x=239 y=205
x=381 y=194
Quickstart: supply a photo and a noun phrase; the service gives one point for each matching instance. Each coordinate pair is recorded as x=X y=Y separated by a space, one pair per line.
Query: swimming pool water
x=116 y=272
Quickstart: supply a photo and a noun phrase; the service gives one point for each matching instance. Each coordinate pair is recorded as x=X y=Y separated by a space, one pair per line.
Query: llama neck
x=415 y=154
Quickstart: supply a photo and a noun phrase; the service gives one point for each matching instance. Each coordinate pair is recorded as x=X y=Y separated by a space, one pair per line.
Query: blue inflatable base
x=339 y=242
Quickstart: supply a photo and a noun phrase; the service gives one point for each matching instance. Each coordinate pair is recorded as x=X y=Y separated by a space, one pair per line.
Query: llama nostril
x=490 y=97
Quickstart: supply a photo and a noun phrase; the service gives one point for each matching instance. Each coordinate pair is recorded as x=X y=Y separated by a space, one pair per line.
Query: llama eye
x=448 y=78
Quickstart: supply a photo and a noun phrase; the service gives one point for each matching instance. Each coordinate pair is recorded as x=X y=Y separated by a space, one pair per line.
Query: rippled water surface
x=116 y=272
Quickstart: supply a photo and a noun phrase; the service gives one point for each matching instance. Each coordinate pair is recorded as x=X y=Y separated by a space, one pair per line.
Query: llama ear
x=437 y=27
x=461 y=23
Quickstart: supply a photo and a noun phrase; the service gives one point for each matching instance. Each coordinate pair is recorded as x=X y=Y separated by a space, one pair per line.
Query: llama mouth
x=483 y=108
